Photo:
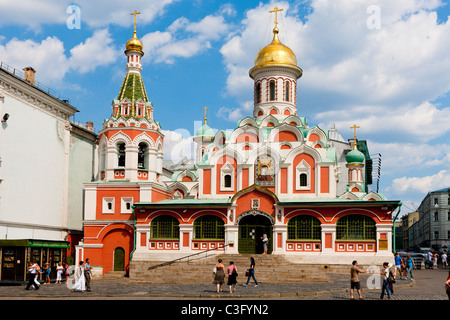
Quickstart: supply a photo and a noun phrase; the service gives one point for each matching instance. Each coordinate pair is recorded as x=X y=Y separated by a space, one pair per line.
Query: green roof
x=185 y=203
x=132 y=88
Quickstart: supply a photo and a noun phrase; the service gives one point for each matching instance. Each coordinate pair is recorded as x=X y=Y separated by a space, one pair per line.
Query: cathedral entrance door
x=251 y=229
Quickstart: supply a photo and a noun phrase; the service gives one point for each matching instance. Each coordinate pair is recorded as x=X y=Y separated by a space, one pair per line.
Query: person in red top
x=232 y=274
x=447 y=286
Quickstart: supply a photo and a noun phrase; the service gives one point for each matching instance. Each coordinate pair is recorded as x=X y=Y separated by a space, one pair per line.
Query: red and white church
x=305 y=187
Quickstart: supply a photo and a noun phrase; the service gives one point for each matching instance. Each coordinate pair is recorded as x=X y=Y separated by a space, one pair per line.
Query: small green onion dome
x=355 y=156
x=205 y=131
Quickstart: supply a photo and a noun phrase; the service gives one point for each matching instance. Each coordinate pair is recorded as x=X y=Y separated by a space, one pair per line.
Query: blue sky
x=384 y=65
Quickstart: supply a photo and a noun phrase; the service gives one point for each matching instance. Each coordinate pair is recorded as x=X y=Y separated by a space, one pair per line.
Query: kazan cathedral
x=306 y=188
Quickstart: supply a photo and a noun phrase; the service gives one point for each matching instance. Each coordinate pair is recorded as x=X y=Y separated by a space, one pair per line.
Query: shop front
x=15 y=254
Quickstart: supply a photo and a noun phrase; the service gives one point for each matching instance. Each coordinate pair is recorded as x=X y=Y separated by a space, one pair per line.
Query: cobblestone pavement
x=427 y=285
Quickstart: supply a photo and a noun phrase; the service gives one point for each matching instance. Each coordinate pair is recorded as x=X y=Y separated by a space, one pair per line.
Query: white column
x=186 y=229
x=328 y=230
x=131 y=162
x=279 y=234
x=231 y=238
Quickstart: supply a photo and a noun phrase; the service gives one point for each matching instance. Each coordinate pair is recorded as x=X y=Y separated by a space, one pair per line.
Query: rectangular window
x=108 y=205
x=436 y=216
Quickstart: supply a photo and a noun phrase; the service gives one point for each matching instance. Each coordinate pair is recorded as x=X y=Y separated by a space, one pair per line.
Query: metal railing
x=21 y=75
x=188 y=257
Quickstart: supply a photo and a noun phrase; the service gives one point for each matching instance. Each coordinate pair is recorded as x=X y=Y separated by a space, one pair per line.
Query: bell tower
x=131 y=141
x=275 y=76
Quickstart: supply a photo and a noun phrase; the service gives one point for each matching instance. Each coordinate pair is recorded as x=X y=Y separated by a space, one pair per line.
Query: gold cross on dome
x=354 y=135
x=205 y=108
x=275 y=10
x=135 y=13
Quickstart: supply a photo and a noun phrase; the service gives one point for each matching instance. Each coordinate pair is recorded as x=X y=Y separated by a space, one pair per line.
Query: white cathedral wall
x=33 y=170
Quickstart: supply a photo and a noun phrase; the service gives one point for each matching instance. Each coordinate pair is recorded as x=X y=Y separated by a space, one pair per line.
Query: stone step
x=269 y=268
x=114 y=274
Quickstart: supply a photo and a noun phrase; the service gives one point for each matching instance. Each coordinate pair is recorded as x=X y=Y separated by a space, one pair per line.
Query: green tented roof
x=132 y=88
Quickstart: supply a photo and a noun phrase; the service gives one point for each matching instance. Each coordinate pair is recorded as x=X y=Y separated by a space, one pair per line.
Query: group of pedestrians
x=82 y=275
x=387 y=276
x=433 y=258
x=34 y=270
x=232 y=272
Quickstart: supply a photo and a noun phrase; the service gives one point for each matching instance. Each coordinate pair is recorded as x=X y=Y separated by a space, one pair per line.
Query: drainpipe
x=134 y=232
x=393 y=227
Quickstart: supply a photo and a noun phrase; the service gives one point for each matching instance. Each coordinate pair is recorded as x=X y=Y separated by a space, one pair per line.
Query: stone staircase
x=269 y=268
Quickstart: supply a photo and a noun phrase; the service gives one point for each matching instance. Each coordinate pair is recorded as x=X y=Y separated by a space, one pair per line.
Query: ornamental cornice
x=35 y=97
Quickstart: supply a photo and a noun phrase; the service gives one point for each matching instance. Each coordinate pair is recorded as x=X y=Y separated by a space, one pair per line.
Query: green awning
x=34 y=243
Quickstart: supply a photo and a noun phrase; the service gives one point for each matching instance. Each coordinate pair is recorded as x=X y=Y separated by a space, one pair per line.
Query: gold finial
x=205 y=108
x=135 y=13
x=354 y=135
x=275 y=10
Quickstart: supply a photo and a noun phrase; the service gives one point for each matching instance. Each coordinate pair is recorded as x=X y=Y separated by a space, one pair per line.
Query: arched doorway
x=252 y=226
x=119 y=259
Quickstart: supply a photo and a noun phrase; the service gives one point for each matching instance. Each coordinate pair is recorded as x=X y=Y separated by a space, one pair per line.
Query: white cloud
x=424 y=184
x=49 y=60
x=46 y=57
x=99 y=13
x=420 y=123
x=178 y=145
x=184 y=39
x=346 y=64
x=94 y=52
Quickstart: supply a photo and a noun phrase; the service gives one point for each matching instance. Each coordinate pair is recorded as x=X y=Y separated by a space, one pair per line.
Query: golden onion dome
x=276 y=53
x=134 y=43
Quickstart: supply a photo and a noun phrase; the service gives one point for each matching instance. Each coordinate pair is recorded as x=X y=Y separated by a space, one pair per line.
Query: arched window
x=272 y=90
x=287 y=91
x=142 y=156
x=304 y=227
x=303 y=180
x=258 y=92
x=209 y=227
x=355 y=227
x=165 y=227
x=121 y=154
x=227 y=182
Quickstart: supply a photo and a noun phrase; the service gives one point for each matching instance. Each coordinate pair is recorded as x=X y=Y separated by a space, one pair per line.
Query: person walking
x=219 y=277
x=251 y=272
x=31 y=272
x=398 y=265
x=435 y=260
x=385 y=288
x=444 y=260
x=409 y=266
x=66 y=272
x=87 y=275
x=80 y=282
x=265 y=241
x=354 y=280
x=232 y=274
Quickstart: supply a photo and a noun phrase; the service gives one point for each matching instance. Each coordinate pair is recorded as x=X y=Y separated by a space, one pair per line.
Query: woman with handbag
x=232 y=274
x=219 y=277
x=251 y=272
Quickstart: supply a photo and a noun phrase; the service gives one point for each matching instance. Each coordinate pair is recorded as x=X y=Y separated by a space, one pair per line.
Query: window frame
x=208 y=227
x=165 y=227
x=367 y=228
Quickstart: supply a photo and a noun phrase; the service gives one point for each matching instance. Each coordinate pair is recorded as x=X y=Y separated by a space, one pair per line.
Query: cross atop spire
x=275 y=10
x=135 y=13
x=205 y=108
x=354 y=135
